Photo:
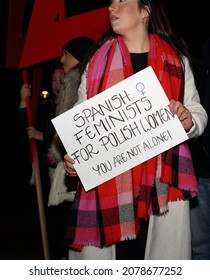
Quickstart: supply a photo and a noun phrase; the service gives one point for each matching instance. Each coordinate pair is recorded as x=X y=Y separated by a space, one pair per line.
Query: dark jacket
x=201 y=152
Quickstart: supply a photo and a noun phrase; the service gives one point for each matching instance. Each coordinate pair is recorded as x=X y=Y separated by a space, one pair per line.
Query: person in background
x=73 y=54
x=43 y=132
x=200 y=205
x=144 y=212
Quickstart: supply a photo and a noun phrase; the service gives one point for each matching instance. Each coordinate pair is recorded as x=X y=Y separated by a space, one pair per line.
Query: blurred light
x=44 y=94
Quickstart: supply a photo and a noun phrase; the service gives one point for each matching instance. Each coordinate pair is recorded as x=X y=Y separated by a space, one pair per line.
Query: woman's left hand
x=182 y=113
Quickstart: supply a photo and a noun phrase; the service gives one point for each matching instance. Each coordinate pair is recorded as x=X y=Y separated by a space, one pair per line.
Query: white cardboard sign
x=119 y=128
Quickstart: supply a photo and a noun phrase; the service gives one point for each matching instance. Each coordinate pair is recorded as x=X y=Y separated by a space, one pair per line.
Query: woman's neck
x=138 y=44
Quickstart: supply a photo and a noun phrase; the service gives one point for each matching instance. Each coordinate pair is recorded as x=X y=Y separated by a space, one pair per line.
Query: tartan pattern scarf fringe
x=110 y=213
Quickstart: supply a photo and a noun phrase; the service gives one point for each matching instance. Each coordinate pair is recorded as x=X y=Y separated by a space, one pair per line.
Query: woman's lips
x=113 y=18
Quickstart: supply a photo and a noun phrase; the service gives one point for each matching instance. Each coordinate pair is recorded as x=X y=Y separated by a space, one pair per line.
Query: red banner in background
x=49 y=27
x=49 y=30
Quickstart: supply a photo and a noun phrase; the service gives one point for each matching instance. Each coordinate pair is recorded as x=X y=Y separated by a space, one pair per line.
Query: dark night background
x=19 y=231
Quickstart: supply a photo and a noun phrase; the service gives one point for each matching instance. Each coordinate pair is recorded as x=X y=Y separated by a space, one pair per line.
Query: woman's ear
x=146 y=12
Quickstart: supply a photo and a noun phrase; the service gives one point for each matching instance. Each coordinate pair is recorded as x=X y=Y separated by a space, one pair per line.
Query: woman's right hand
x=25 y=91
x=35 y=134
x=69 y=165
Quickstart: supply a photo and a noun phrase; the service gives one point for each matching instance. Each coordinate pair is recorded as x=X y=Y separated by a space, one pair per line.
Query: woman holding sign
x=142 y=213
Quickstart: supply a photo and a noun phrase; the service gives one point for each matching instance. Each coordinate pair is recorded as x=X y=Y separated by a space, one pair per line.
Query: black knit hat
x=78 y=47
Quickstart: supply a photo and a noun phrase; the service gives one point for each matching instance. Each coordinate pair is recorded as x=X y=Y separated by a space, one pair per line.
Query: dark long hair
x=158 y=23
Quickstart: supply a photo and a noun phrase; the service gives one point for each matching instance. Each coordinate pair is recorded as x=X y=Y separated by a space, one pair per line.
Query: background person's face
x=69 y=61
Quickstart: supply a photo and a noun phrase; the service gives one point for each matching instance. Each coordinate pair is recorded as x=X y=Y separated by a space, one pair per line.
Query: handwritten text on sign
x=119 y=128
